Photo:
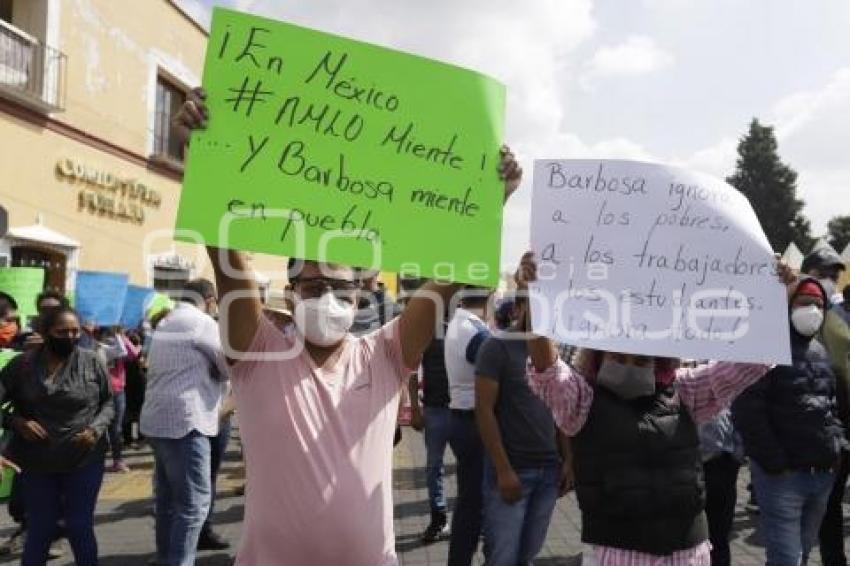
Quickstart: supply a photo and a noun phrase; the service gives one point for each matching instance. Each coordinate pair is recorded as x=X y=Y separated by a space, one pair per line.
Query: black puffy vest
x=639 y=474
x=789 y=419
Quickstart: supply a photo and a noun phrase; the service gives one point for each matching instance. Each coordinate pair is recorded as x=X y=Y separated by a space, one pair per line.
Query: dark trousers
x=721 y=478
x=119 y=401
x=16 y=501
x=135 y=392
x=71 y=494
x=465 y=442
x=832 y=528
x=218 y=448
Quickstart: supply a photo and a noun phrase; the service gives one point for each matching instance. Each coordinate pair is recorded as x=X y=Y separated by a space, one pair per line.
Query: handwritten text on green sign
x=327 y=148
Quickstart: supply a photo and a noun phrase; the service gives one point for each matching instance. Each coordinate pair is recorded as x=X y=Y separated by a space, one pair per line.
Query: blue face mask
x=625 y=380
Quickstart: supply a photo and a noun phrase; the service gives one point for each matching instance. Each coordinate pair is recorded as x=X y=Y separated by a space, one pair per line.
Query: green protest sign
x=24 y=284
x=326 y=148
x=6 y=356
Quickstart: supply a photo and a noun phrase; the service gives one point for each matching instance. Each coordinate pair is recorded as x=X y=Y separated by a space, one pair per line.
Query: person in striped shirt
x=633 y=422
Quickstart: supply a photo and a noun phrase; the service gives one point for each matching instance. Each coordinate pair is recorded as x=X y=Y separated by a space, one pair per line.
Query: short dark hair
x=197 y=291
x=474 y=296
x=294 y=267
x=7 y=304
x=52 y=316
x=504 y=312
x=51 y=294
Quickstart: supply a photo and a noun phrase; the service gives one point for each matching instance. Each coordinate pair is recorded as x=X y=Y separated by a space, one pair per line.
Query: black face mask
x=62 y=347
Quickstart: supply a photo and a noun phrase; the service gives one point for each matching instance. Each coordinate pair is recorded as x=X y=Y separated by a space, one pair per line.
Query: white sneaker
x=57 y=549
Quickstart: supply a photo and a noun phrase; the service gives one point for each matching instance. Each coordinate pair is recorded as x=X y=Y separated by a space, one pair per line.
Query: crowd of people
x=651 y=445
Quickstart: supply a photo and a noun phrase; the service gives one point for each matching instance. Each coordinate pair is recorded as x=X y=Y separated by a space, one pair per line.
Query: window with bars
x=169 y=99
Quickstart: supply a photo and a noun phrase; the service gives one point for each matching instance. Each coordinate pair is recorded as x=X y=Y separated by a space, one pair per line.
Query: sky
x=670 y=81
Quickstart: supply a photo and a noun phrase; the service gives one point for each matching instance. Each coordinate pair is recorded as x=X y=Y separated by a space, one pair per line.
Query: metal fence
x=31 y=72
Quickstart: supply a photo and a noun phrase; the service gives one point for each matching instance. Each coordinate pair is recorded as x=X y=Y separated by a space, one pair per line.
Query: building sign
x=173 y=261
x=108 y=194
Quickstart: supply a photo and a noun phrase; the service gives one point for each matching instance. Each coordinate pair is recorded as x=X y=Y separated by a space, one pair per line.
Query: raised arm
x=561 y=388
x=240 y=307
x=542 y=351
x=708 y=389
x=239 y=296
x=419 y=318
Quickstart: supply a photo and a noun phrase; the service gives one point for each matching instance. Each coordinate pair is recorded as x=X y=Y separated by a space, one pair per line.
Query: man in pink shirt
x=317 y=407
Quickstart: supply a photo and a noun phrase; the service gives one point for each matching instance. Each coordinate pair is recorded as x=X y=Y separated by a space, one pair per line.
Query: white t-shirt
x=465 y=334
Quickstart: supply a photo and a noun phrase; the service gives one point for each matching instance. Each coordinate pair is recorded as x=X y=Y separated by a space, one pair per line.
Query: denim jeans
x=514 y=533
x=116 y=427
x=467 y=514
x=182 y=492
x=218 y=448
x=436 y=438
x=791 y=505
x=71 y=495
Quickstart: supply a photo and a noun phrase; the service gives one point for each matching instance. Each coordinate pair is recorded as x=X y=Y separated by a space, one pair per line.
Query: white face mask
x=625 y=380
x=323 y=321
x=807 y=320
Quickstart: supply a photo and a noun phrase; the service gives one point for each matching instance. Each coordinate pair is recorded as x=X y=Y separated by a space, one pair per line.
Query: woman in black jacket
x=63 y=404
x=791 y=432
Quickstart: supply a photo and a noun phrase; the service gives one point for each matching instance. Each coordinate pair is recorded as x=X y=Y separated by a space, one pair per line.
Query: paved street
x=125 y=527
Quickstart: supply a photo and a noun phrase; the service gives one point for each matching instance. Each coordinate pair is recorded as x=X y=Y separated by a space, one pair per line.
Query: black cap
x=821 y=258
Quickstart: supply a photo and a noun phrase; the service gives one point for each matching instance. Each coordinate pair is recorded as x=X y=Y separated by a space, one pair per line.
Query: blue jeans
x=791 y=505
x=467 y=514
x=436 y=438
x=514 y=533
x=182 y=492
x=218 y=448
x=71 y=495
x=116 y=427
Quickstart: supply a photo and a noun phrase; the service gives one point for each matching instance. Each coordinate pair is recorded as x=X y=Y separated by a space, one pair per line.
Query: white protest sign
x=651 y=259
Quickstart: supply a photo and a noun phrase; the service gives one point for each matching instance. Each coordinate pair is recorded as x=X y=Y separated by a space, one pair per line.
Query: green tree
x=771 y=187
x=839 y=232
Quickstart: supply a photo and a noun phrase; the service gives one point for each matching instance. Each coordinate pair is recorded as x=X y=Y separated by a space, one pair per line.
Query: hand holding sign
x=193 y=115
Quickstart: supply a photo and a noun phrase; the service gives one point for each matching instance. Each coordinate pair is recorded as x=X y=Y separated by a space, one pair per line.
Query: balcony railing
x=31 y=73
